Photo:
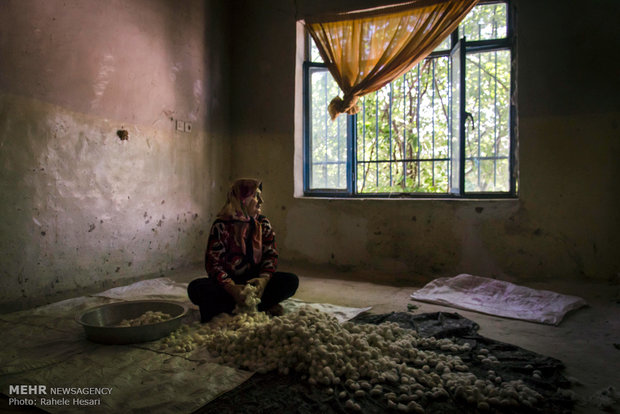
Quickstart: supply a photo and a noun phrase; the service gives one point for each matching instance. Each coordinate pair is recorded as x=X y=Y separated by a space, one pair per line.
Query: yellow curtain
x=366 y=50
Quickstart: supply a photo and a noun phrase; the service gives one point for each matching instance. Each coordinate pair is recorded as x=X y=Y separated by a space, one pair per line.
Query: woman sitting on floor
x=241 y=250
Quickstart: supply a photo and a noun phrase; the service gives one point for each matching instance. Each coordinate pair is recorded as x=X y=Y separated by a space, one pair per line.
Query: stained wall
x=79 y=207
x=566 y=221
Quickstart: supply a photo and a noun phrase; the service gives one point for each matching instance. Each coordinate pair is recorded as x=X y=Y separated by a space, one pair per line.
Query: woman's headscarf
x=239 y=197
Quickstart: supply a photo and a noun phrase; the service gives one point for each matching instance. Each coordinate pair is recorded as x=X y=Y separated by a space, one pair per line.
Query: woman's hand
x=260 y=283
x=236 y=291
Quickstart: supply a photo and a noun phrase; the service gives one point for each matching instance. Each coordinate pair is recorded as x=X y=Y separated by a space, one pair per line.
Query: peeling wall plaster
x=81 y=208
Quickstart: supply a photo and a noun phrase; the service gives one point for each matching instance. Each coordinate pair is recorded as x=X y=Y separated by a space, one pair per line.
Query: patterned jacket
x=226 y=257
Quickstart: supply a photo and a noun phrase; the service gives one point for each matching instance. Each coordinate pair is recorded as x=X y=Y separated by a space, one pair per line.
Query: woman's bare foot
x=276 y=310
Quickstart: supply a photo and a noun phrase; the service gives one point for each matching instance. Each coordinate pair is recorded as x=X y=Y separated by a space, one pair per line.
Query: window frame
x=350 y=174
x=468 y=47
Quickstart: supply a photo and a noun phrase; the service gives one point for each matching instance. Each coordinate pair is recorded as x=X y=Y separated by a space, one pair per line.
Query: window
x=444 y=129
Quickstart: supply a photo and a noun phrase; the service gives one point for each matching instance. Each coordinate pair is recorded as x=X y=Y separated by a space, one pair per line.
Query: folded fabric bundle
x=499 y=298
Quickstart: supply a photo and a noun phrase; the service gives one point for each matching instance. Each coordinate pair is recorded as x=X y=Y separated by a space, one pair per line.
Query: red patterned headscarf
x=239 y=199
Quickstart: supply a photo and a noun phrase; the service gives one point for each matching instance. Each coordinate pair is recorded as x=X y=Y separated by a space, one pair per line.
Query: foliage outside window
x=444 y=129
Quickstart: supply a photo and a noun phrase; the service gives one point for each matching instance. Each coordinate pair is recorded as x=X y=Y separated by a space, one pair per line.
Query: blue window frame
x=444 y=129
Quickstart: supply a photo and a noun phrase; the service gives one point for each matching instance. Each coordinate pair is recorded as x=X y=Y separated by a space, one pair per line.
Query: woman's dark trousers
x=212 y=299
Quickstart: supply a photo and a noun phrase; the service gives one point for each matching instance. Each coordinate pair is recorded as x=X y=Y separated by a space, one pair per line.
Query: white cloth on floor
x=46 y=346
x=160 y=288
x=499 y=298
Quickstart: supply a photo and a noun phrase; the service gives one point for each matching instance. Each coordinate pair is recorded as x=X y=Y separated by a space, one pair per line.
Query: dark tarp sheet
x=276 y=393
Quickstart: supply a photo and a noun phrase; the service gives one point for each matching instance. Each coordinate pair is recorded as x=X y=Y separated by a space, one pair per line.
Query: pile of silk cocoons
x=354 y=361
x=251 y=300
x=147 y=318
x=245 y=315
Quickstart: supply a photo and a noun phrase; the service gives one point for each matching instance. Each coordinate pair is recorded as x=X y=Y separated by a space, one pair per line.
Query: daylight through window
x=444 y=129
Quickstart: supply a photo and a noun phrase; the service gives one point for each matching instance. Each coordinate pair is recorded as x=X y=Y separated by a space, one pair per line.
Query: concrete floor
x=584 y=341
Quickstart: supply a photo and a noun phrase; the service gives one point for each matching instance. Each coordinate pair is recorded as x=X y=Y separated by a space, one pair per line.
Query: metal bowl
x=99 y=323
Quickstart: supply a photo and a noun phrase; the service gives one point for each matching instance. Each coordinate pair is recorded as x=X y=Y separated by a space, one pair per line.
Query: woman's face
x=254 y=204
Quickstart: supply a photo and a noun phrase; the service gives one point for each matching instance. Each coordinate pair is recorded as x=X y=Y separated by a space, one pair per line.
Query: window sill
x=503 y=199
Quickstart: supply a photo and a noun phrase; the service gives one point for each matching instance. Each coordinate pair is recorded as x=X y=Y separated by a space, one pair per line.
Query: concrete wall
x=565 y=223
x=79 y=207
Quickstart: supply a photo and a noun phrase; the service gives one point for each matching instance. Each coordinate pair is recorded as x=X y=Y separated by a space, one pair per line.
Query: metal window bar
x=442 y=159
x=433 y=123
x=325 y=132
x=495 y=140
x=351 y=157
x=449 y=139
x=404 y=150
x=479 y=105
x=410 y=160
x=363 y=139
x=377 y=135
x=417 y=122
x=338 y=152
x=308 y=126
x=332 y=163
x=390 y=99
x=462 y=90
